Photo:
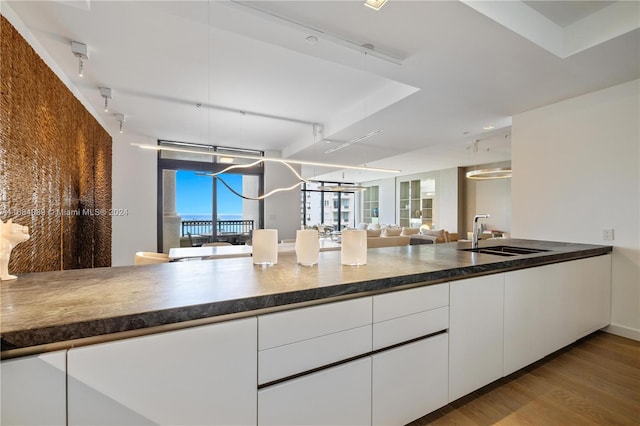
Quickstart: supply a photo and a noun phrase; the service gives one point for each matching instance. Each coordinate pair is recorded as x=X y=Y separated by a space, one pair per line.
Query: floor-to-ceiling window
x=334 y=209
x=195 y=207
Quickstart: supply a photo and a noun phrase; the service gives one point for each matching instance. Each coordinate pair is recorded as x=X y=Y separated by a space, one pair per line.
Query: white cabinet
x=404 y=315
x=200 y=375
x=300 y=340
x=475 y=333
x=409 y=381
x=336 y=396
x=539 y=313
x=34 y=390
x=593 y=284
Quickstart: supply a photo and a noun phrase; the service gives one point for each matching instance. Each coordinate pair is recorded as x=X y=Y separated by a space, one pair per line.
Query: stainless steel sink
x=505 y=250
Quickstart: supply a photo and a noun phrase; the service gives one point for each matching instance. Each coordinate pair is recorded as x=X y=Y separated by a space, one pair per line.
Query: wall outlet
x=607 y=234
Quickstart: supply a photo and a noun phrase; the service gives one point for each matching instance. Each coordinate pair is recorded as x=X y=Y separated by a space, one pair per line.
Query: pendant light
x=488 y=173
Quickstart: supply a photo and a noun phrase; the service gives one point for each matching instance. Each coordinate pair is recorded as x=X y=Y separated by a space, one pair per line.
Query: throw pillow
x=391 y=232
x=410 y=231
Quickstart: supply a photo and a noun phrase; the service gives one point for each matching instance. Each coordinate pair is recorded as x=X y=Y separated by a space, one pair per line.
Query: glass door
x=187 y=214
x=236 y=213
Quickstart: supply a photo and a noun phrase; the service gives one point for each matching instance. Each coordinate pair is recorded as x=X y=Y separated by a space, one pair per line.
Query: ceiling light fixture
x=490 y=173
x=488 y=127
x=81 y=52
x=342 y=188
x=254 y=157
x=375 y=4
x=352 y=141
x=306 y=29
x=301 y=180
x=121 y=118
x=486 y=174
x=105 y=92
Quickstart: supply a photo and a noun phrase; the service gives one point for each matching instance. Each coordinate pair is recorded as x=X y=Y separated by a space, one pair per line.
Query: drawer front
x=336 y=396
x=283 y=361
x=409 y=381
x=409 y=327
x=406 y=302
x=283 y=328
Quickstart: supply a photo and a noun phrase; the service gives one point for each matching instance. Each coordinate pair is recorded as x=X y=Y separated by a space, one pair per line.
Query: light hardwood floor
x=595 y=381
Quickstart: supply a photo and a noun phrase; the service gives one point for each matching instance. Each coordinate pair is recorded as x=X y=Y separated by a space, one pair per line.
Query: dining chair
x=149 y=257
x=191 y=242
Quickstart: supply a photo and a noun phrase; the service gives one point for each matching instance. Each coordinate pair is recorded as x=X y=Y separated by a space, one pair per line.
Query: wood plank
x=595 y=381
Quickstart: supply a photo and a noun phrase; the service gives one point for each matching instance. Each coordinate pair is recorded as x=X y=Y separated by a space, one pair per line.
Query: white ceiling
x=262 y=85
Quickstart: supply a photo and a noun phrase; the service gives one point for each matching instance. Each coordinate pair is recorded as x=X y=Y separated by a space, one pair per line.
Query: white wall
x=446 y=212
x=494 y=197
x=281 y=210
x=134 y=183
x=576 y=170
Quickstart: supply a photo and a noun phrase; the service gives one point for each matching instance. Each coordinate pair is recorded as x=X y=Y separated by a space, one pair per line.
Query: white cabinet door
x=539 y=313
x=339 y=395
x=34 y=390
x=200 y=375
x=475 y=333
x=593 y=284
x=409 y=381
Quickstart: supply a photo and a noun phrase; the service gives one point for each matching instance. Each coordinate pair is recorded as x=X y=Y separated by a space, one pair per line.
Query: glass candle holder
x=265 y=246
x=307 y=247
x=354 y=247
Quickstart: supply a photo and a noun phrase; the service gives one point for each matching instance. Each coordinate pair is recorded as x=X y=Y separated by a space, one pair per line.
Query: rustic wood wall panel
x=55 y=165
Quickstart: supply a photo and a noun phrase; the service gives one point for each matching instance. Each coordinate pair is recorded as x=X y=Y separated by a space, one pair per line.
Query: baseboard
x=620 y=330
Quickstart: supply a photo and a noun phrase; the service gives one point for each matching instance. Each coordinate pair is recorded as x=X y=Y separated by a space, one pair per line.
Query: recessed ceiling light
x=488 y=127
x=312 y=39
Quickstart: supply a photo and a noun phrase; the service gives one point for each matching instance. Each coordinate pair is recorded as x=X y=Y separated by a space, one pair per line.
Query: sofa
x=430 y=236
x=387 y=237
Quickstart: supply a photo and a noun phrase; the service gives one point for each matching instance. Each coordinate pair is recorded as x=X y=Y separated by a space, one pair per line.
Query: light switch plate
x=607 y=234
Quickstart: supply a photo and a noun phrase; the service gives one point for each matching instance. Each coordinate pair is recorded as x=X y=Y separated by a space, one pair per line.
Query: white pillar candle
x=307 y=247
x=265 y=246
x=354 y=247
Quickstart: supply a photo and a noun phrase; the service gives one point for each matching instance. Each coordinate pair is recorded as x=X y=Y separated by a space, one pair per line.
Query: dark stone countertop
x=45 y=311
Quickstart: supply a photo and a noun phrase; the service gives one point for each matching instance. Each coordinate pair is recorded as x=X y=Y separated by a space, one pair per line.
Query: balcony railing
x=205 y=227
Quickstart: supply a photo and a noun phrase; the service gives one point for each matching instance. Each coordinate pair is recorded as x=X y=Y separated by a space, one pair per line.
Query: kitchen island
x=266 y=339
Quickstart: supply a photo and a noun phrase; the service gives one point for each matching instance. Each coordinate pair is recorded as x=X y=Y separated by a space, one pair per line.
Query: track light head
x=81 y=52
x=106 y=93
x=121 y=118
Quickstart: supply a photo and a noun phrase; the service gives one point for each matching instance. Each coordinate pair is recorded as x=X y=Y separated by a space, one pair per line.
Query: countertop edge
x=38 y=340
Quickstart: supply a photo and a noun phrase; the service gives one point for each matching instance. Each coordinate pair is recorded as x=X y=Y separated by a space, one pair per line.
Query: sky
x=194 y=194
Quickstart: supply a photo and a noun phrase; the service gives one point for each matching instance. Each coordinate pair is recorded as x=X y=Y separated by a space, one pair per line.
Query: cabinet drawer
x=409 y=381
x=406 y=302
x=283 y=328
x=336 y=396
x=398 y=330
x=283 y=361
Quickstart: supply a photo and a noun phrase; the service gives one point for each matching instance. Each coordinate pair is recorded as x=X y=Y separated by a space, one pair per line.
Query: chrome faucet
x=474 y=237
